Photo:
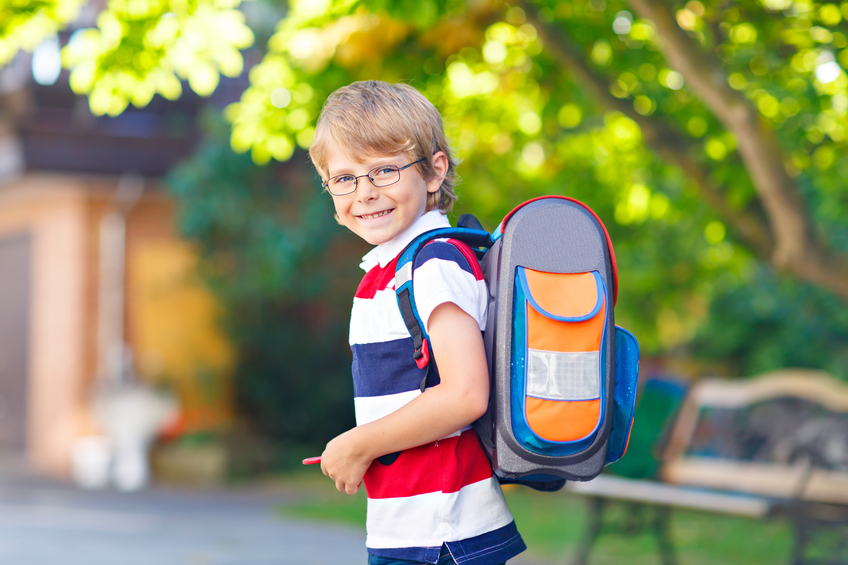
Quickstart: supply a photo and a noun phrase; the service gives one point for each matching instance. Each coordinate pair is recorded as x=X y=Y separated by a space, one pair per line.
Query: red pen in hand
x=312 y=461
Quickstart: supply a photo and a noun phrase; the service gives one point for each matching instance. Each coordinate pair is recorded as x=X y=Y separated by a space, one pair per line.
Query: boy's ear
x=440 y=169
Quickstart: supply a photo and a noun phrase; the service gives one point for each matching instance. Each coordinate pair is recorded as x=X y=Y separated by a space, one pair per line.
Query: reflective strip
x=554 y=375
x=403 y=275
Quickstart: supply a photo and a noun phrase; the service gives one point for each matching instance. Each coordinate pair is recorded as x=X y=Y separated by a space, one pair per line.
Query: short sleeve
x=443 y=273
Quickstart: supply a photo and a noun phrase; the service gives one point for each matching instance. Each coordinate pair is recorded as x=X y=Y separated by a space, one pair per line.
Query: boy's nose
x=365 y=190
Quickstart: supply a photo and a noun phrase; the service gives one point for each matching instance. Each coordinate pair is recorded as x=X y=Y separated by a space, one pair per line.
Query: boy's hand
x=344 y=462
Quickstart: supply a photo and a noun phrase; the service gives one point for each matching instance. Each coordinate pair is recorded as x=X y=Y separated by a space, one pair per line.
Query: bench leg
x=801 y=538
x=596 y=511
x=662 y=518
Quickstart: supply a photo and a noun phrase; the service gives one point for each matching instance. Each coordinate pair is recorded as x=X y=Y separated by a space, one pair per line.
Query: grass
x=552 y=525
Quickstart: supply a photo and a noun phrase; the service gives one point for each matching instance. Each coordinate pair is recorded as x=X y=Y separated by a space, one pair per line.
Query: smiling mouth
x=377 y=215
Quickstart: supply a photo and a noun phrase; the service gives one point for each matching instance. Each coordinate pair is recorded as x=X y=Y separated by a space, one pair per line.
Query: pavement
x=48 y=522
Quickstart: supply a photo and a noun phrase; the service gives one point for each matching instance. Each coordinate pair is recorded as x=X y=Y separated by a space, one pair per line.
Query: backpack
x=562 y=376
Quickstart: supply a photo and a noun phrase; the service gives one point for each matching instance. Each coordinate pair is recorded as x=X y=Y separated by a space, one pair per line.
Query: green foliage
x=771 y=323
x=284 y=272
x=25 y=23
x=278 y=112
x=525 y=125
x=142 y=48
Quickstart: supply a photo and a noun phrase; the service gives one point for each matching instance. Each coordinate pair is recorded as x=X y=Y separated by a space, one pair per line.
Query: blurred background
x=174 y=290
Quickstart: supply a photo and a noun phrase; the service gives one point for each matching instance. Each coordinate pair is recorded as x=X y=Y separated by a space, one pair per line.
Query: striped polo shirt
x=444 y=491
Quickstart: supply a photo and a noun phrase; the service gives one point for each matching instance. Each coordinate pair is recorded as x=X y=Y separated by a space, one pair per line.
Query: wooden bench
x=773 y=445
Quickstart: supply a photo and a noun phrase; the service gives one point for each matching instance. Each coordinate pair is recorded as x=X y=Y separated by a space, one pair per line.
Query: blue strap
x=479 y=240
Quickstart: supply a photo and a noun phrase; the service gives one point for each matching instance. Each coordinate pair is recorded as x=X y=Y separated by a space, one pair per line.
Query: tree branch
x=798 y=248
x=787 y=238
x=750 y=229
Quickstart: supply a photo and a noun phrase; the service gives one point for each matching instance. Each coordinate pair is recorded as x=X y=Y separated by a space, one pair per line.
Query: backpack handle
x=499 y=231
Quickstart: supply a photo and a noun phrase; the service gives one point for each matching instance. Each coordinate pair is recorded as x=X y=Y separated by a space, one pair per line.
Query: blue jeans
x=444 y=559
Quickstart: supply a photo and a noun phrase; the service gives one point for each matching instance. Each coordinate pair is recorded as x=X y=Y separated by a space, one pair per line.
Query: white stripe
x=370 y=408
x=456 y=433
x=377 y=319
x=430 y=519
x=557 y=375
x=438 y=281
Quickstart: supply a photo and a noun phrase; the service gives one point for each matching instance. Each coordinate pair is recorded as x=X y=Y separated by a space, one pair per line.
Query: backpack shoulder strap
x=478 y=240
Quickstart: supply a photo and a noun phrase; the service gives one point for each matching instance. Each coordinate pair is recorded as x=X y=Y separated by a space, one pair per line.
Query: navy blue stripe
x=444 y=251
x=386 y=368
x=490 y=548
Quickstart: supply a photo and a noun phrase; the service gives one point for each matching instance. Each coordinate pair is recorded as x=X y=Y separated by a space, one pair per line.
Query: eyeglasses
x=384 y=175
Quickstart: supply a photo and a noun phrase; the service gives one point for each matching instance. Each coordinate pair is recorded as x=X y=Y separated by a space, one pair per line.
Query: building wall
x=52 y=211
x=173 y=319
x=169 y=316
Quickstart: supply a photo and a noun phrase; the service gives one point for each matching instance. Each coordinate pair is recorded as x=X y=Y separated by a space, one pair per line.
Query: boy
x=382 y=155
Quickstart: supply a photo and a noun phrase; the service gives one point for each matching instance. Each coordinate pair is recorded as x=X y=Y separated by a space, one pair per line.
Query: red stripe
x=377 y=279
x=469 y=256
x=606 y=233
x=443 y=466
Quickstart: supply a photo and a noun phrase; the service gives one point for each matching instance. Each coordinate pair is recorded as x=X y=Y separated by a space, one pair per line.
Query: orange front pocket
x=566 y=319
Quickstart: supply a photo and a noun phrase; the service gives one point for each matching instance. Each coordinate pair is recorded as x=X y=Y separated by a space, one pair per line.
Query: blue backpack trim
x=624 y=393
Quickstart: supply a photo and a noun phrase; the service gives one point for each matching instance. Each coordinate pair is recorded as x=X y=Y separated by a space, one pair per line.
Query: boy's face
x=378 y=214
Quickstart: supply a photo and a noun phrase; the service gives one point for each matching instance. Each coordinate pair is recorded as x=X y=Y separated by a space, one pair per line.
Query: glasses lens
x=384 y=175
x=342 y=184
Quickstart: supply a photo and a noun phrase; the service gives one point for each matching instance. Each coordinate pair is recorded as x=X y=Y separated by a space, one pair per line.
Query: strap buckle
x=422 y=355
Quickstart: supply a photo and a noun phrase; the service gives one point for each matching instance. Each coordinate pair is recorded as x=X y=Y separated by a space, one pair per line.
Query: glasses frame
x=326 y=183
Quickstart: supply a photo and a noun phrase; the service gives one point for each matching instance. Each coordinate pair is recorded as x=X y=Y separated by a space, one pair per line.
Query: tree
x=139 y=48
x=773 y=65
x=646 y=111
x=25 y=23
x=713 y=135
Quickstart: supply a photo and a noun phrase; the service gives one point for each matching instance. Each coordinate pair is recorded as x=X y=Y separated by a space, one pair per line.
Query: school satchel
x=563 y=375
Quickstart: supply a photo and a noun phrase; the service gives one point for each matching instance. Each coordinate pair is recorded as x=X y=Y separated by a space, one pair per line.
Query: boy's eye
x=387 y=170
x=341 y=179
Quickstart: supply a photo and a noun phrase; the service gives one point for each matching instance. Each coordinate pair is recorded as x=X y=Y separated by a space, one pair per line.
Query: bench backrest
x=783 y=434
x=657 y=407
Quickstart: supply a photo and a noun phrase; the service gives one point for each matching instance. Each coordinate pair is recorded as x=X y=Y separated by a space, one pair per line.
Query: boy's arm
x=461 y=397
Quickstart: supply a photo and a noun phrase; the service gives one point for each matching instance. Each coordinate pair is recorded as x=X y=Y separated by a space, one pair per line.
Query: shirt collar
x=384 y=253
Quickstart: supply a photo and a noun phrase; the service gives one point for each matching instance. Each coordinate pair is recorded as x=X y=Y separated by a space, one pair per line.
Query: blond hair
x=373 y=118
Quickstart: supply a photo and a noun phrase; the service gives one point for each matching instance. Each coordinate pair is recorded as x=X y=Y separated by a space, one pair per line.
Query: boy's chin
x=375 y=240
x=371 y=239
x=375 y=236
